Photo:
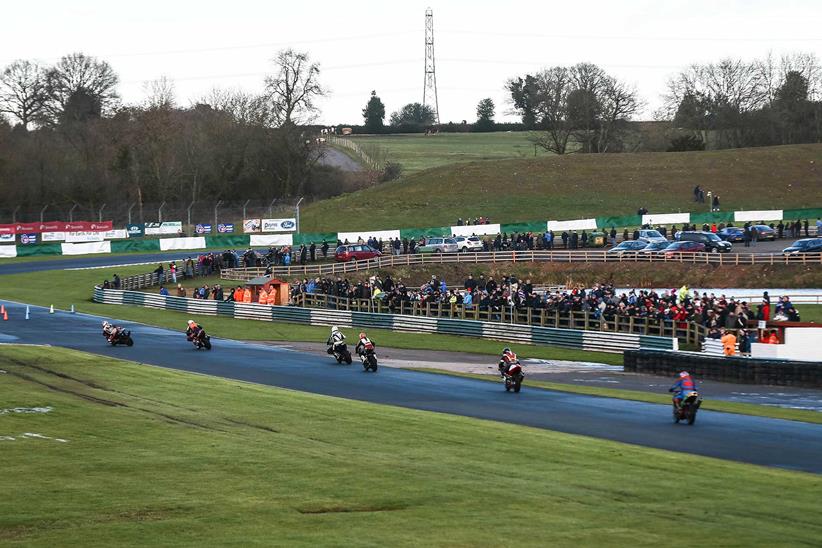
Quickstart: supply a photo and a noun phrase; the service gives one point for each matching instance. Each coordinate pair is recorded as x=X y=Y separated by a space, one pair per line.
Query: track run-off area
x=764 y=441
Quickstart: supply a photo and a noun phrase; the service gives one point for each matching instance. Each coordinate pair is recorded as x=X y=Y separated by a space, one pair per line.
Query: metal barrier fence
x=597 y=341
x=151 y=279
x=582 y=256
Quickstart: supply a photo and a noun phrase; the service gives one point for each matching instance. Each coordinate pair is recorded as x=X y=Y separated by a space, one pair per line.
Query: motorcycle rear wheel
x=348 y=358
x=129 y=342
x=676 y=416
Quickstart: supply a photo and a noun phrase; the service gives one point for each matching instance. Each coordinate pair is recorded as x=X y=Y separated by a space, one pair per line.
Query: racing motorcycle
x=121 y=336
x=686 y=411
x=369 y=359
x=513 y=377
x=200 y=339
x=341 y=353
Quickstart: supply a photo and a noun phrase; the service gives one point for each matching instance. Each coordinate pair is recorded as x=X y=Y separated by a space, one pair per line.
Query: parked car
x=684 y=247
x=468 y=243
x=439 y=245
x=764 y=232
x=648 y=235
x=654 y=247
x=628 y=246
x=732 y=234
x=355 y=252
x=807 y=245
x=711 y=241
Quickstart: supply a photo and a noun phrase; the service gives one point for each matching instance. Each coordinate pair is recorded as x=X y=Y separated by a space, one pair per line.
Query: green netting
x=228 y=241
x=619 y=222
x=39 y=249
x=316 y=237
x=712 y=217
x=528 y=226
x=124 y=246
x=425 y=232
x=810 y=213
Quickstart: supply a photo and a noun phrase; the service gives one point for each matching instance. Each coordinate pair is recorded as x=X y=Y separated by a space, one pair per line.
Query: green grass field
x=157 y=457
x=572 y=186
x=417 y=152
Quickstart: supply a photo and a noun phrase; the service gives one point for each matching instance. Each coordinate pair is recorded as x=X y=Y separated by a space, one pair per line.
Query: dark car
x=764 y=232
x=628 y=246
x=654 y=247
x=684 y=247
x=355 y=252
x=732 y=234
x=711 y=241
x=808 y=245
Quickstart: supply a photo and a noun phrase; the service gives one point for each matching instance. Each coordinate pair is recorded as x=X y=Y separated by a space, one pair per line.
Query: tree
x=294 y=88
x=525 y=99
x=79 y=86
x=22 y=91
x=413 y=117
x=485 y=115
x=160 y=93
x=374 y=114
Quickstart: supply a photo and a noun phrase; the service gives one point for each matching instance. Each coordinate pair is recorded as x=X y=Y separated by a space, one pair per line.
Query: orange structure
x=267 y=290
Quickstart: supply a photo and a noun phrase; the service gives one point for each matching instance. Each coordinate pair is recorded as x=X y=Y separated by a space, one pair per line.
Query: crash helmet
x=506 y=350
x=362 y=335
x=334 y=328
x=105 y=323
x=684 y=374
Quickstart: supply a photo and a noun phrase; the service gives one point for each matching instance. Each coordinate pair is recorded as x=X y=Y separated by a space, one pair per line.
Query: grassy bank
x=576 y=186
x=160 y=457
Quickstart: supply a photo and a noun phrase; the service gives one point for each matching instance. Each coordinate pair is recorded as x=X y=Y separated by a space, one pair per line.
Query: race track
x=770 y=442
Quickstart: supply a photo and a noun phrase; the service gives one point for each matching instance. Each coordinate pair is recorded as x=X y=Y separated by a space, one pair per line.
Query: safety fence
x=390 y=261
x=597 y=341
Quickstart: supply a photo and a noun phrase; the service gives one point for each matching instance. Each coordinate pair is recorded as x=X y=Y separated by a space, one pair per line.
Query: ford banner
x=279 y=225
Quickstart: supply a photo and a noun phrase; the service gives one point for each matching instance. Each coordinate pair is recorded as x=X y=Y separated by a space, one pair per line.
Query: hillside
x=579 y=186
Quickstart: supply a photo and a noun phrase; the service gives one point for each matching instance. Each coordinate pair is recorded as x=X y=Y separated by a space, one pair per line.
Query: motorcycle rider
x=336 y=340
x=193 y=330
x=507 y=359
x=364 y=344
x=110 y=331
x=684 y=384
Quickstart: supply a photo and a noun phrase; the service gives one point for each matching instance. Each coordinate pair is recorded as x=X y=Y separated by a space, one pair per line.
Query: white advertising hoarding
x=352 y=237
x=166 y=227
x=267 y=240
x=578 y=224
x=86 y=248
x=754 y=216
x=80 y=237
x=167 y=244
x=666 y=218
x=475 y=230
x=8 y=251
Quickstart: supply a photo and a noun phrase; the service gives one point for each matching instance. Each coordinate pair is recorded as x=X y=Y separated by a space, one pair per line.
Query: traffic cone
x=51 y=309
x=5 y=315
x=28 y=315
x=72 y=309
x=2 y=309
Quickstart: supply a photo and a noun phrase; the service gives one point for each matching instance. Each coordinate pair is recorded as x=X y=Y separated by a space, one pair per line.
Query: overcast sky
x=365 y=45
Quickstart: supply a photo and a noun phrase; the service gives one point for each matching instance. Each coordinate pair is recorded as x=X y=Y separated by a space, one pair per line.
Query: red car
x=683 y=247
x=355 y=252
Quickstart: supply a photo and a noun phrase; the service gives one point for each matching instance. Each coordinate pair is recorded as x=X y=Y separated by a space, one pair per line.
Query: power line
x=635 y=38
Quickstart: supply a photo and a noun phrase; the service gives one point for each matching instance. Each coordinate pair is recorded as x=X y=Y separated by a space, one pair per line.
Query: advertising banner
x=352 y=237
x=225 y=228
x=80 y=237
x=53 y=226
x=166 y=227
x=8 y=251
x=666 y=218
x=86 y=248
x=85 y=226
x=27 y=239
x=267 y=240
x=203 y=229
x=30 y=228
x=54 y=236
x=6 y=238
x=279 y=225
x=8 y=229
x=135 y=231
x=117 y=234
x=754 y=216
x=578 y=224
x=182 y=243
x=251 y=225
x=475 y=230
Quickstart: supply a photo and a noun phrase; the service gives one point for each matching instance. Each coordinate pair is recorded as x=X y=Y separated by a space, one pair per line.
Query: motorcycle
x=513 y=377
x=121 y=336
x=341 y=353
x=200 y=339
x=369 y=359
x=686 y=411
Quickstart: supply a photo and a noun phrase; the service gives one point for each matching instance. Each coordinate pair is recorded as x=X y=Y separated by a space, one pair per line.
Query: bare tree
x=618 y=104
x=552 y=110
x=294 y=87
x=245 y=108
x=79 y=86
x=160 y=93
x=22 y=91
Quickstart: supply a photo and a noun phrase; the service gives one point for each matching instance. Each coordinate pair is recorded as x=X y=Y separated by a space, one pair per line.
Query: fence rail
x=514 y=333
x=386 y=261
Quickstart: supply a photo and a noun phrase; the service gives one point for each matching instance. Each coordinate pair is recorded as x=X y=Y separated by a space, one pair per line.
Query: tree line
x=66 y=137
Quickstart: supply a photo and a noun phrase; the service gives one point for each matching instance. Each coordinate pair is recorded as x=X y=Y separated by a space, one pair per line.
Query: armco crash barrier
x=570 y=338
x=719 y=368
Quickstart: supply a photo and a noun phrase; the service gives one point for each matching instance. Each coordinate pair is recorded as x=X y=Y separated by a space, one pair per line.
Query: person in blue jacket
x=682 y=386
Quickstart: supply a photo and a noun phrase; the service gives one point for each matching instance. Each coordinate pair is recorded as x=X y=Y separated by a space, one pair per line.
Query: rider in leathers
x=507 y=359
x=335 y=341
x=681 y=387
x=363 y=344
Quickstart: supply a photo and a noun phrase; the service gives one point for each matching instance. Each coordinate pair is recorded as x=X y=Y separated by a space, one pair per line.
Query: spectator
x=715 y=205
x=181 y=291
x=115 y=282
x=163 y=291
x=613 y=235
x=312 y=249
x=744 y=342
x=818 y=227
x=807 y=232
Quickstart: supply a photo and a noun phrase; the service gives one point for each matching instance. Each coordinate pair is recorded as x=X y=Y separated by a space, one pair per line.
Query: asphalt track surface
x=756 y=440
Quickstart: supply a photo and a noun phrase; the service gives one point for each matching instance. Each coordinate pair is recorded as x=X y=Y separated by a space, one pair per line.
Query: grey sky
x=365 y=45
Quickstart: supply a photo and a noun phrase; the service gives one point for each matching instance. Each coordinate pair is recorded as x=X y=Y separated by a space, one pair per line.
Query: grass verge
x=648 y=397
x=162 y=457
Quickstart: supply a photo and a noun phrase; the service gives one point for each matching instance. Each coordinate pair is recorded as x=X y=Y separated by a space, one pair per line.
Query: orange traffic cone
x=2 y=309
x=5 y=315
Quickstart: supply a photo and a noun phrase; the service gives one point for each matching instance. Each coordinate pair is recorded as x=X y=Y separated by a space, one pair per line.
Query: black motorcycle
x=686 y=411
x=341 y=353
x=369 y=359
x=121 y=336
x=200 y=339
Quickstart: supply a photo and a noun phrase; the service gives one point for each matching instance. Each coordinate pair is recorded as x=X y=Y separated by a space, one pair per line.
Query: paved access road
x=770 y=442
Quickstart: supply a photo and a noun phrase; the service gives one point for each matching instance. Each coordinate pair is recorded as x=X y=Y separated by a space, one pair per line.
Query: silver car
x=439 y=245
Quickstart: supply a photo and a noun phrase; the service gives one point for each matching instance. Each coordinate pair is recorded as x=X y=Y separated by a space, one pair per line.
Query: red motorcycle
x=513 y=377
x=686 y=410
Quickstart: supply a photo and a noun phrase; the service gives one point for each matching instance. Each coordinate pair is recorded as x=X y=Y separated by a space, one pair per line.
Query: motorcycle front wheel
x=348 y=358
x=691 y=415
x=518 y=386
x=129 y=342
